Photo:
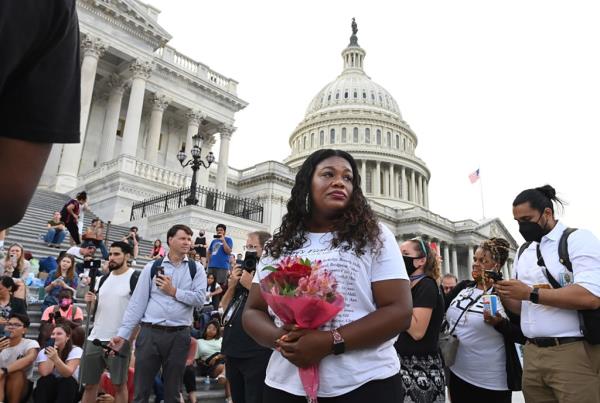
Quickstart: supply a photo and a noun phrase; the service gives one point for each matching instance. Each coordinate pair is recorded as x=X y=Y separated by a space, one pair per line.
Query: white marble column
x=363 y=175
x=454 y=261
x=469 y=256
x=207 y=145
x=193 y=120
x=66 y=179
x=426 y=192
x=377 y=181
x=141 y=71
x=446 y=258
x=225 y=133
x=421 y=191
x=111 y=119
x=159 y=104
x=404 y=184
x=413 y=187
x=393 y=184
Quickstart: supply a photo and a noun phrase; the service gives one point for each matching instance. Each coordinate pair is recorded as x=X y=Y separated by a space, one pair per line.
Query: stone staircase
x=28 y=231
x=43 y=204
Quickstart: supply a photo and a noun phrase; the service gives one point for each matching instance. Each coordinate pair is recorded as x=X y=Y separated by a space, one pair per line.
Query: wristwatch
x=534 y=296
x=339 y=346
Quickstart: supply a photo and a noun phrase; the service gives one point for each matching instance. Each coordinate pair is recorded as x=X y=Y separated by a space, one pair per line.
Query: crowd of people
x=406 y=332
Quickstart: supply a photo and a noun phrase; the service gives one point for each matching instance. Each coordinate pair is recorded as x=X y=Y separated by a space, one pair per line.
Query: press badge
x=565 y=278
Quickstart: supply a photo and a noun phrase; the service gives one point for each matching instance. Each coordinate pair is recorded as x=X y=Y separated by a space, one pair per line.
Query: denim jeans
x=55 y=236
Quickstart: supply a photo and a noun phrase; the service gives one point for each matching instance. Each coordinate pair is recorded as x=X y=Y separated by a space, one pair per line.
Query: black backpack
x=589 y=320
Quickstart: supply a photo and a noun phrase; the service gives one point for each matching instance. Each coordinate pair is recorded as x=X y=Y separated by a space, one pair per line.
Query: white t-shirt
x=75 y=251
x=340 y=374
x=12 y=354
x=539 y=320
x=112 y=303
x=74 y=354
x=206 y=348
x=480 y=359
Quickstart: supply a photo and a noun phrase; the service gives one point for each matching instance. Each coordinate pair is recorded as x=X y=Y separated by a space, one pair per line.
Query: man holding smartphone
x=218 y=255
x=163 y=305
x=17 y=355
x=113 y=298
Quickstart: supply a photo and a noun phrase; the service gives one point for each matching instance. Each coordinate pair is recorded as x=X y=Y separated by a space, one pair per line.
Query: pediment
x=495 y=228
x=132 y=14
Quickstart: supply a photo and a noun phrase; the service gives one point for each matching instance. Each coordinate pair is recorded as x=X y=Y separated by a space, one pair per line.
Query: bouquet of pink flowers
x=302 y=293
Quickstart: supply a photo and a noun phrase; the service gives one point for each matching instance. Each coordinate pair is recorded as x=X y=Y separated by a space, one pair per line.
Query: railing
x=172 y=56
x=207 y=198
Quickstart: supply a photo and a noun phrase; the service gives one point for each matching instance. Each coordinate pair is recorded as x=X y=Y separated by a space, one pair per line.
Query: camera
x=494 y=275
x=92 y=264
x=216 y=236
x=250 y=260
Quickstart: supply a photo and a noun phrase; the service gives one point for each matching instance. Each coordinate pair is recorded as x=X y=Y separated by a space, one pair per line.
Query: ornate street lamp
x=196 y=162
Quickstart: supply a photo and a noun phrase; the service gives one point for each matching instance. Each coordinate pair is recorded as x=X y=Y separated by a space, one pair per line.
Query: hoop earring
x=307 y=203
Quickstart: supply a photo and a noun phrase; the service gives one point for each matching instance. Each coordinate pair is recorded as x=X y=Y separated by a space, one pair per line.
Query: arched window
x=364 y=95
x=312 y=140
x=321 y=137
x=355 y=134
x=397 y=141
x=329 y=97
x=346 y=95
x=332 y=136
x=367 y=136
x=355 y=94
x=337 y=95
x=378 y=137
x=343 y=134
x=404 y=143
x=389 y=139
x=304 y=143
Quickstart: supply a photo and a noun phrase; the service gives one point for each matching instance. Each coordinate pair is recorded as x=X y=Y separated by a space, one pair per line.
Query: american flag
x=474 y=176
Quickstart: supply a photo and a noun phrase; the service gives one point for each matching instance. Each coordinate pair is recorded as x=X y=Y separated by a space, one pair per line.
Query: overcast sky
x=511 y=87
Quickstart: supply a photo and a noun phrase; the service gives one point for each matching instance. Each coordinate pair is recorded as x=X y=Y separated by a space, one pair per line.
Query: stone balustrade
x=200 y=70
x=139 y=168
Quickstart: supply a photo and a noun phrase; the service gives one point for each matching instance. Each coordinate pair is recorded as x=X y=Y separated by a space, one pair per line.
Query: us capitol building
x=143 y=101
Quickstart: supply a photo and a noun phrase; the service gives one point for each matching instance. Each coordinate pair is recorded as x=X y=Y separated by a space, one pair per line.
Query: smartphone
x=49 y=343
x=494 y=275
x=2 y=328
x=160 y=270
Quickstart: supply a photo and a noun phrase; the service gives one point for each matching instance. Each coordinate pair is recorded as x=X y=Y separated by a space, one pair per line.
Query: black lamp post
x=195 y=162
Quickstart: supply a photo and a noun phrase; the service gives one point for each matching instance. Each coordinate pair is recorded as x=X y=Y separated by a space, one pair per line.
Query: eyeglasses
x=250 y=247
x=12 y=324
x=422 y=245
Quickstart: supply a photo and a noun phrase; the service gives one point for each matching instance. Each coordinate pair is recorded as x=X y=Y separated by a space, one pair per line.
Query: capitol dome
x=355 y=114
x=353 y=89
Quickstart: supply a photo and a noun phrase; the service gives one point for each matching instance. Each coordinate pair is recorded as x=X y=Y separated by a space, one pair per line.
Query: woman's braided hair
x=498 y=249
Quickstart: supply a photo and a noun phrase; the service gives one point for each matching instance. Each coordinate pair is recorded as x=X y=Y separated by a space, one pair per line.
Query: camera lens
x=250 y=260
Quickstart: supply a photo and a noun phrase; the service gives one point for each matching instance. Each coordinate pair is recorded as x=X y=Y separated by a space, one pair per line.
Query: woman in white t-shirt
x=329 y=218
x=486 y=344
x=58 y=367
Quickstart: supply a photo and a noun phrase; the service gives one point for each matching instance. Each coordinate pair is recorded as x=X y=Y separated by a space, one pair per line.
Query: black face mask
x=532 y=231
x=409 y=263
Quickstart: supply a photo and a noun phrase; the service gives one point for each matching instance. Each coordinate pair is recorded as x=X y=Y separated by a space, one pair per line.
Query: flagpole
x=481 y=192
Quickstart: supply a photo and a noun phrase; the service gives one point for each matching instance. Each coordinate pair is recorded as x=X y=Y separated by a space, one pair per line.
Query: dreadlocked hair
x=356 y=227
x=498 y=249
x=433 y=263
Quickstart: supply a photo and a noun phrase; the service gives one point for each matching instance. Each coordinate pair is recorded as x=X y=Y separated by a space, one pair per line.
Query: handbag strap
x=463 y=312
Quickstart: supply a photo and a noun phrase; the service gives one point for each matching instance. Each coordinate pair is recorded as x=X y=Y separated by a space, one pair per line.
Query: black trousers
x=464 y=392
x=53 y=389
x=73 y=231
x=246 y=377
x=381 y=391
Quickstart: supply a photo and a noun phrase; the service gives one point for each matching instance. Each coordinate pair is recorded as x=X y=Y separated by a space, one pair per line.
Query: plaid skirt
x=423 y=378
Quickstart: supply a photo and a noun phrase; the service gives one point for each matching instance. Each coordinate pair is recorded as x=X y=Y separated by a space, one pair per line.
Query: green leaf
x=269 y=268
